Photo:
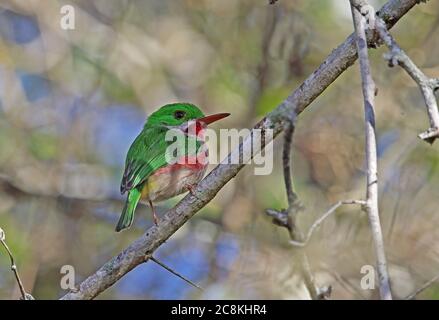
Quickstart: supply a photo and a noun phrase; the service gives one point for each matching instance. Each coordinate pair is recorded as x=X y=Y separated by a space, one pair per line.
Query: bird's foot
x=191 y=189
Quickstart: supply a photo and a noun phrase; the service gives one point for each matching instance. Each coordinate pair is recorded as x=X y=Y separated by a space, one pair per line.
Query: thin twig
x=293 y=205
x=422 y=288
x=308 y=277
x=164 y=266
x=320 y=220
x=24 y=295
x=427 y=85
x=368 y=88
x=287 y=217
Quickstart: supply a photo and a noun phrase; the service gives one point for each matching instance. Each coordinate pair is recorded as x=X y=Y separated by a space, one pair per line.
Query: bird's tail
x=127 y=216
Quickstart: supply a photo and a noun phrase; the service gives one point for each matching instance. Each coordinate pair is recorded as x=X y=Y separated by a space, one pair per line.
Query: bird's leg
x=154 y=216
x=191 y=189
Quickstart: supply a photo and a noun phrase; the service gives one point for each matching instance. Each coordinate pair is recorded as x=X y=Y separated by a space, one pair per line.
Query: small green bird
x=148 y=176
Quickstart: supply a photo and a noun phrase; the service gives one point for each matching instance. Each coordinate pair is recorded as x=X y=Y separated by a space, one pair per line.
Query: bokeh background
x=72 y=101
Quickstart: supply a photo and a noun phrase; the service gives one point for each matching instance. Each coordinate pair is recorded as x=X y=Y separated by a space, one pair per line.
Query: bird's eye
x=179 y=114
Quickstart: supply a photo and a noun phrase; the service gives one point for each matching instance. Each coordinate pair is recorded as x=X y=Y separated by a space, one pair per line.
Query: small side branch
x=287 y=217
x=428 y=86
x=422 y=288
x=368 y=87
x=294 y=205
x=24 y=294
x=164 y=266
x=320 y=220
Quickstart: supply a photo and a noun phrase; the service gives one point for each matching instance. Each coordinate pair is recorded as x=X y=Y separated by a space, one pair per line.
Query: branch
x=320 y=220
x=287 y=217
x=368 y=87
x=24 y=294
x=137 y=252
x=293 y=203
x=422 y=288
x=316 y=293
x=164 y=266
x=427 y=85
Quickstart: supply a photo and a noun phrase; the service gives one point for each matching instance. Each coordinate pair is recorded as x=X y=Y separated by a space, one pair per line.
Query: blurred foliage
x=72 y=101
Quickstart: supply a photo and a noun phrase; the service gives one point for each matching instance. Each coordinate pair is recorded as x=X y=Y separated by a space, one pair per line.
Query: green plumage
x=148 y=153
x=127 y=216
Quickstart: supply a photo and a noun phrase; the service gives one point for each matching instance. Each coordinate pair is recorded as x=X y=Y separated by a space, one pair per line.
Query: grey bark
x=368 y=88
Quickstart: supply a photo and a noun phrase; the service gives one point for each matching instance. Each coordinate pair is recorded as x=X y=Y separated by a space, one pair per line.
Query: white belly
x=164 y=185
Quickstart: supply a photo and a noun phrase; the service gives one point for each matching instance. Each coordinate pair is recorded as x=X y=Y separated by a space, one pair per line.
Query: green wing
x=150 y=152
x=146 y=154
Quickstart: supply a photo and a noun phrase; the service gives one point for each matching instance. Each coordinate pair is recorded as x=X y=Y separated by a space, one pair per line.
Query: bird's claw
x=191 y=189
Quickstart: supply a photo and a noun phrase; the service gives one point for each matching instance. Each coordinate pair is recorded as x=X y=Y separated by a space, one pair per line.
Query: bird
x=149 y=176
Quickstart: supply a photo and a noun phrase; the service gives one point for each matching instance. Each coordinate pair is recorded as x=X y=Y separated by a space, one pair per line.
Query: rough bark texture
x=368 y=88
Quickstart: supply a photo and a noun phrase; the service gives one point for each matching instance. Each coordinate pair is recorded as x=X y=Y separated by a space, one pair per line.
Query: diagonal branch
x=368 y=87
x=137 y=252
x=422 y=288
x=164 y=266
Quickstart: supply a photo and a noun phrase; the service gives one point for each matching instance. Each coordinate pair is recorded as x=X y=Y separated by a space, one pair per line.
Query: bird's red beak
x=213 y=117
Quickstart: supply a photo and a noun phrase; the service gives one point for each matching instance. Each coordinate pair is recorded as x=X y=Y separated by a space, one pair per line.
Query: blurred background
x=72 y=101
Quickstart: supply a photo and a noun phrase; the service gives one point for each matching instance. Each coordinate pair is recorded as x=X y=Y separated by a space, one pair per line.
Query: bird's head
x=178 y=115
